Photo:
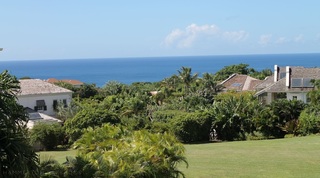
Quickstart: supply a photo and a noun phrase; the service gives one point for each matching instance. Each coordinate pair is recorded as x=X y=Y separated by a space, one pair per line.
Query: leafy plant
x=117 y=152
x=48 y=135
x=17 y=158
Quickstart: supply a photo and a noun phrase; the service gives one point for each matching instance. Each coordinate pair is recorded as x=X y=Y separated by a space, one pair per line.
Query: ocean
x=146 y=69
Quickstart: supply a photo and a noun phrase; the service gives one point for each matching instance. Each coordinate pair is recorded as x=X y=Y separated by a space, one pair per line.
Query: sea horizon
x=155 y=57
x=147 y=69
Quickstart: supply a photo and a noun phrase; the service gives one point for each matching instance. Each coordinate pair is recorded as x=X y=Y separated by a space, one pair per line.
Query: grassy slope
x=291 y=157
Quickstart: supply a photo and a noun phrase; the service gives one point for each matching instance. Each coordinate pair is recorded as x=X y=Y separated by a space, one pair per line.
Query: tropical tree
x=234 y=115
x=280 y=118
x=171 y=82
x=48 y=135
x=262 y=74
x=186 y=76
x=118 y=152
x=17 y=158
x=314 y=95
x=192 y=127
x=65 y=85
x=309 y=120
x=50 y=168
x=113 y=88
x=91 y=115
x=86 y=91
x=225 y=72
x=78 y=167
x=67 y=112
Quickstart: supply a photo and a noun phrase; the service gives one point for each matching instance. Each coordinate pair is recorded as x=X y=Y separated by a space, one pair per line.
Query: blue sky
x=37 y=29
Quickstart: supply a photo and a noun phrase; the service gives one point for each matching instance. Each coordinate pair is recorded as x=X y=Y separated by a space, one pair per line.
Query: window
x=307 y=83
x=294 y=97
x=282 y=75
x=308 y=99
x=301 y=82
x=296 y=82
x=55 y=105
x=64 y=101
x=281 y=95
x=40 y=105
x=236 y=84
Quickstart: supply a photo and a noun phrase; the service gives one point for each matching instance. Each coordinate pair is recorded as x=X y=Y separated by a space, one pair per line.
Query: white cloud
x=265 y=39
x=281 y=40
x=235 y=35
x=173 y=36
x=298 y=38
x=186 y=38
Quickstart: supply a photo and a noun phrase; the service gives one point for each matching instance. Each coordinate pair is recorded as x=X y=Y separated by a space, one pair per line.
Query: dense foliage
x=17 y=158
x=133 y=130
x=188 y=106
x=280 y=118
x=47 y=135
x=90 y=115
x=225 y=72
x=118 y=152
x=192 y=127
x=234 y=115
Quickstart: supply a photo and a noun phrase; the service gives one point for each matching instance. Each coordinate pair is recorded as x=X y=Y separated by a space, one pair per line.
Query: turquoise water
x=147 y=69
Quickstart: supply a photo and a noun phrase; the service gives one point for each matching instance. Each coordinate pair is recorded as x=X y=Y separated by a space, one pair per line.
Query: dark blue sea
x=146 y=69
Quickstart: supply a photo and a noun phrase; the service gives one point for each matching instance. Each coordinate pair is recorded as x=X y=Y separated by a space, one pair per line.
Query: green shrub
x=279 y=118
x=48 y=135
x=166 y=115
x=118 y=152
x=159 y=127
x=234 y=115
x=88 y=117
x=309 y=121
x=192 y=127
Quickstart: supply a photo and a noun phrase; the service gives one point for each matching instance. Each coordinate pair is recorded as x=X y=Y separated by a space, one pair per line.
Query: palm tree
x=17 y=158
x=187 y=77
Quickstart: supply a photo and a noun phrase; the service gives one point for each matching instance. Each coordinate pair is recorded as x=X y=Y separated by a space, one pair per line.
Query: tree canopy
x=17 y=158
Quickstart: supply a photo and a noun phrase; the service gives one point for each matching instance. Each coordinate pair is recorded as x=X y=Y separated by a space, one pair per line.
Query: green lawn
x=290 y=157
x=60 y=156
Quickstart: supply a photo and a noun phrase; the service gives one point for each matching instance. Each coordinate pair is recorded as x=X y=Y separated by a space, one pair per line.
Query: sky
x=74 y=29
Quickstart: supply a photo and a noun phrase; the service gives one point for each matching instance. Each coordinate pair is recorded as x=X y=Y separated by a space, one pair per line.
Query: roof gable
x=240 y=83
x=304 y=74
x=37 y=86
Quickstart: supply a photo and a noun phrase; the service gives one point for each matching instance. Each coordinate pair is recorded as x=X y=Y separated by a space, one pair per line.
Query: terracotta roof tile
x=72 y=82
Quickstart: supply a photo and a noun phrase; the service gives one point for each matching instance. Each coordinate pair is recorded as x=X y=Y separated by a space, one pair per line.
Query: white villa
x=40 y=99
x=288 y=82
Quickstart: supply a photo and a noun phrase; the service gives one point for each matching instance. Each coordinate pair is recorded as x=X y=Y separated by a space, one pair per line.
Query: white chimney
x=287 y=76
x=275 y=73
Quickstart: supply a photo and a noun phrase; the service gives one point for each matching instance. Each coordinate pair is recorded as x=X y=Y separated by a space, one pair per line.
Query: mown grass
x=60 y=156
x=290 y=157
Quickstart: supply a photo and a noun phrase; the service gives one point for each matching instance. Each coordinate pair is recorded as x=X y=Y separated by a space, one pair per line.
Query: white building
x=42 y=96
x=292 y=83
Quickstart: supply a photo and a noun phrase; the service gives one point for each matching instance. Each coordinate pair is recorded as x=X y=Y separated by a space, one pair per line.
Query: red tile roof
x=72 y=82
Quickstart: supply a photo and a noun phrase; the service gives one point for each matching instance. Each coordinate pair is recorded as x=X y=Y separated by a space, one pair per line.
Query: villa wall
x=31 y=101
x=299 y=96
